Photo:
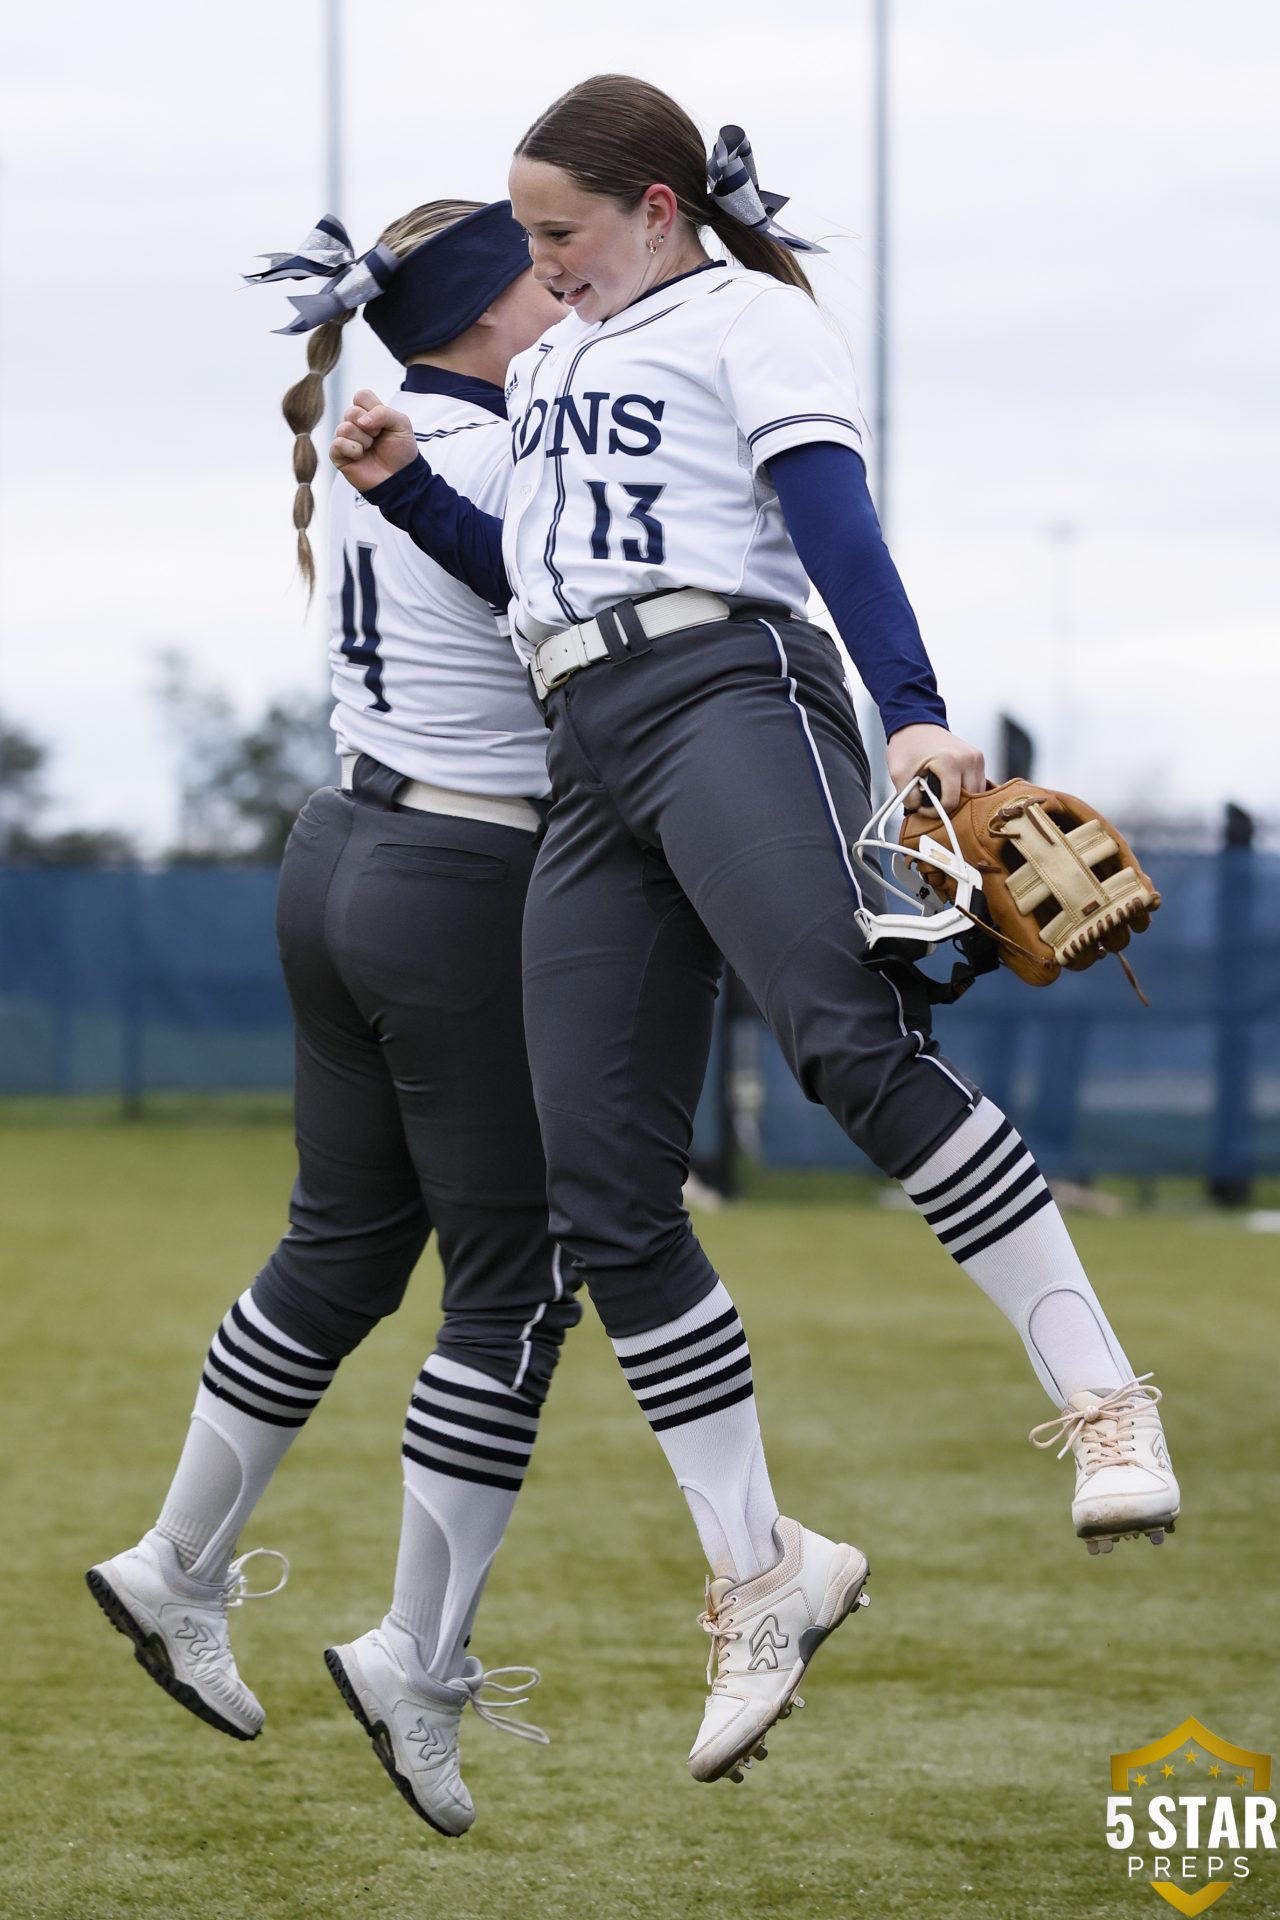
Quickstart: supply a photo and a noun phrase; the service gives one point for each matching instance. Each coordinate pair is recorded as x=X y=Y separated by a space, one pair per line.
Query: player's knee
x=330 y=1303
x=610 y=1199
x=892 y=1104
x=869 y=1058
x=616 y=1208
x=519 y=1350
x=635 y=1295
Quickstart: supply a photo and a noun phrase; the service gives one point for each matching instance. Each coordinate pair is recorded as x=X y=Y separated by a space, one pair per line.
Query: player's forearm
x=833 y=524
x=449 y=528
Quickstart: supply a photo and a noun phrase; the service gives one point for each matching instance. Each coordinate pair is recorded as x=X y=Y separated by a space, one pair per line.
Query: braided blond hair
x=303 y=405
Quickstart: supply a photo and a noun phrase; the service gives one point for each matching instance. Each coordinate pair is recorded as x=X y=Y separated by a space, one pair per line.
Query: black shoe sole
x=1128 y=1533
x=381 y=1739
x=152 y=1656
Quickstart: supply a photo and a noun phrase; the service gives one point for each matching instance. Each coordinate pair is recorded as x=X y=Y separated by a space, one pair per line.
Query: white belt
x=562 y=654
x=498 y=809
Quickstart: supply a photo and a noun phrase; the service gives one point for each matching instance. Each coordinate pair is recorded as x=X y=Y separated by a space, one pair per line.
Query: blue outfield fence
x=1097 y=1082
x=139 y=982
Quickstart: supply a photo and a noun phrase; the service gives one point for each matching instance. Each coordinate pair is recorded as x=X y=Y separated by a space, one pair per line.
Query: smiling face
x=595 y=254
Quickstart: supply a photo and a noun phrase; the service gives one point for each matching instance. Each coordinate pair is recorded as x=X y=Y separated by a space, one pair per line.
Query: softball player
x=686 y=445
x=401 y=896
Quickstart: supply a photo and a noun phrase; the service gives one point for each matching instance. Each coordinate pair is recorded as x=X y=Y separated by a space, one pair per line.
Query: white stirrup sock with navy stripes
x=692 y=1378
x=467 y=1442
x=258 y=1389
x=987 y=1201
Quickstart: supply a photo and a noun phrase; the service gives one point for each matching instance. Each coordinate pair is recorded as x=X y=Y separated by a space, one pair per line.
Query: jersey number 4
x=654 y=549
x=362 y=648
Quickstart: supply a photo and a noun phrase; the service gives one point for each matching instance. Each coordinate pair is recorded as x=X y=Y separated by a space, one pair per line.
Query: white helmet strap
x=934 y=919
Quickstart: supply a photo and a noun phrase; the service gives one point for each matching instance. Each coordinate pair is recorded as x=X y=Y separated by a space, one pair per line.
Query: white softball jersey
x=424 y=676
x=640 y=445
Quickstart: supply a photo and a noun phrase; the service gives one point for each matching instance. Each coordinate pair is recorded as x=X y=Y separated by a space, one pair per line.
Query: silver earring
x=655 y=241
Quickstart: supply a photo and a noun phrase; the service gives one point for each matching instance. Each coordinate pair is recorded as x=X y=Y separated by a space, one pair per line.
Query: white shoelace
x=497 y=1712
x=1111 y=1441
x=238 y=1588
x=720 y=1638
x=722 y=1631
x=721 y=1634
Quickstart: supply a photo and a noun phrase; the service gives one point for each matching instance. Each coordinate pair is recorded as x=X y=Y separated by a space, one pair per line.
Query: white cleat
x=1125 y=1483
x=764 y=1632
x=414 y=1729
x=179 y=1628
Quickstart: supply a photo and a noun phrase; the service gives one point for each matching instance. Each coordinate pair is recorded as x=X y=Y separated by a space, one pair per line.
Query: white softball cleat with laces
x=764 y=1632
x=179 y=1628
x=414 y=1729
x=1125 y=1483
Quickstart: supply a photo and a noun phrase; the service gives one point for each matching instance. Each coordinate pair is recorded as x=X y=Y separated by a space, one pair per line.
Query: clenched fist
x=373 y=442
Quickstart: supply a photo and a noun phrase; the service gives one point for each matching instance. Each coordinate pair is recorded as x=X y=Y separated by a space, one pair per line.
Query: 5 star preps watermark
x=1191 y=1813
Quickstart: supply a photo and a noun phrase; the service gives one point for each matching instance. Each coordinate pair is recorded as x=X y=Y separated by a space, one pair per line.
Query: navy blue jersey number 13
x=654 y=550
x=362 y=648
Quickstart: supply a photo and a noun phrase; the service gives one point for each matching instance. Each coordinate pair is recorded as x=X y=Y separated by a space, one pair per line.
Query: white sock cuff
x=717 y=1303
x=967 y=1141
x=439 y=1366
x=253 y=1313
x=260 y=1372
x=469 y=1428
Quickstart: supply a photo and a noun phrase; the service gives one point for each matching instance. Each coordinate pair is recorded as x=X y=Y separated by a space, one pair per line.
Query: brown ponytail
x=756 y=250
x=303 y=408
x=303 y=405
x=618 y=136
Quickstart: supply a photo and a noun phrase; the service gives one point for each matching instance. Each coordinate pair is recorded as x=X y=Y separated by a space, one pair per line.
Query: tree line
x=239 y=787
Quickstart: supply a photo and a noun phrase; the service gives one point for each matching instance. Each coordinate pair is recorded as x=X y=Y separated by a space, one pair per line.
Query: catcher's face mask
x=1019 y=874
x=897 y=869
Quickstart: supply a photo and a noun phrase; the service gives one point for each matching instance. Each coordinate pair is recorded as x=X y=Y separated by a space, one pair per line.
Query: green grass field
x=953 y=1758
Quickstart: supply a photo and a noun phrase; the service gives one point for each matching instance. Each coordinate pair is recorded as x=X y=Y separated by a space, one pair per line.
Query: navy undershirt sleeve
x=833 y=525
x=449 y=528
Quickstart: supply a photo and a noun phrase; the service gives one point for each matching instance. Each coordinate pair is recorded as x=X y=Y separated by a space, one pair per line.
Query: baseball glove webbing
x=1061 y=885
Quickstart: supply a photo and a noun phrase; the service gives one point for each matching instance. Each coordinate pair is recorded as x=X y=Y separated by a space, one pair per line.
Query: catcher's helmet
x=935 y=919
x=1037 y=873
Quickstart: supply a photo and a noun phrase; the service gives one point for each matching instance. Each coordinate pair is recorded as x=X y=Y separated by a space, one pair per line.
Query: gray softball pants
x=707 y=790
x=400 y=938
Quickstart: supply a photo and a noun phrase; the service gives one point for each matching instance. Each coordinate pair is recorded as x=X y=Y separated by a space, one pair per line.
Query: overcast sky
x=1085 y=401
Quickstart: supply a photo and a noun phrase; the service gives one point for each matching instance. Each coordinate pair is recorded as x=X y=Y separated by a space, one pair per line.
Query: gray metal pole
x=1063 y=537
x=880 y=189
x=333 y=171
x=880 y=333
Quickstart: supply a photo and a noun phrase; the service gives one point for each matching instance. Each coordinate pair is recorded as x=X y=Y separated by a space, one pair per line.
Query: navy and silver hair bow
x=732 y=184
x=326 y=254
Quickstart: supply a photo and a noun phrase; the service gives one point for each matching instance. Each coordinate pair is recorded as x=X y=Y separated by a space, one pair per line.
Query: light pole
x=333 y=170
x=880 y=230
x=880 y=330
x=1062 y=536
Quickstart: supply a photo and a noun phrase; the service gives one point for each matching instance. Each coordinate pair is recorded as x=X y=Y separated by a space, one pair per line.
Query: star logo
x=1181 y=1839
